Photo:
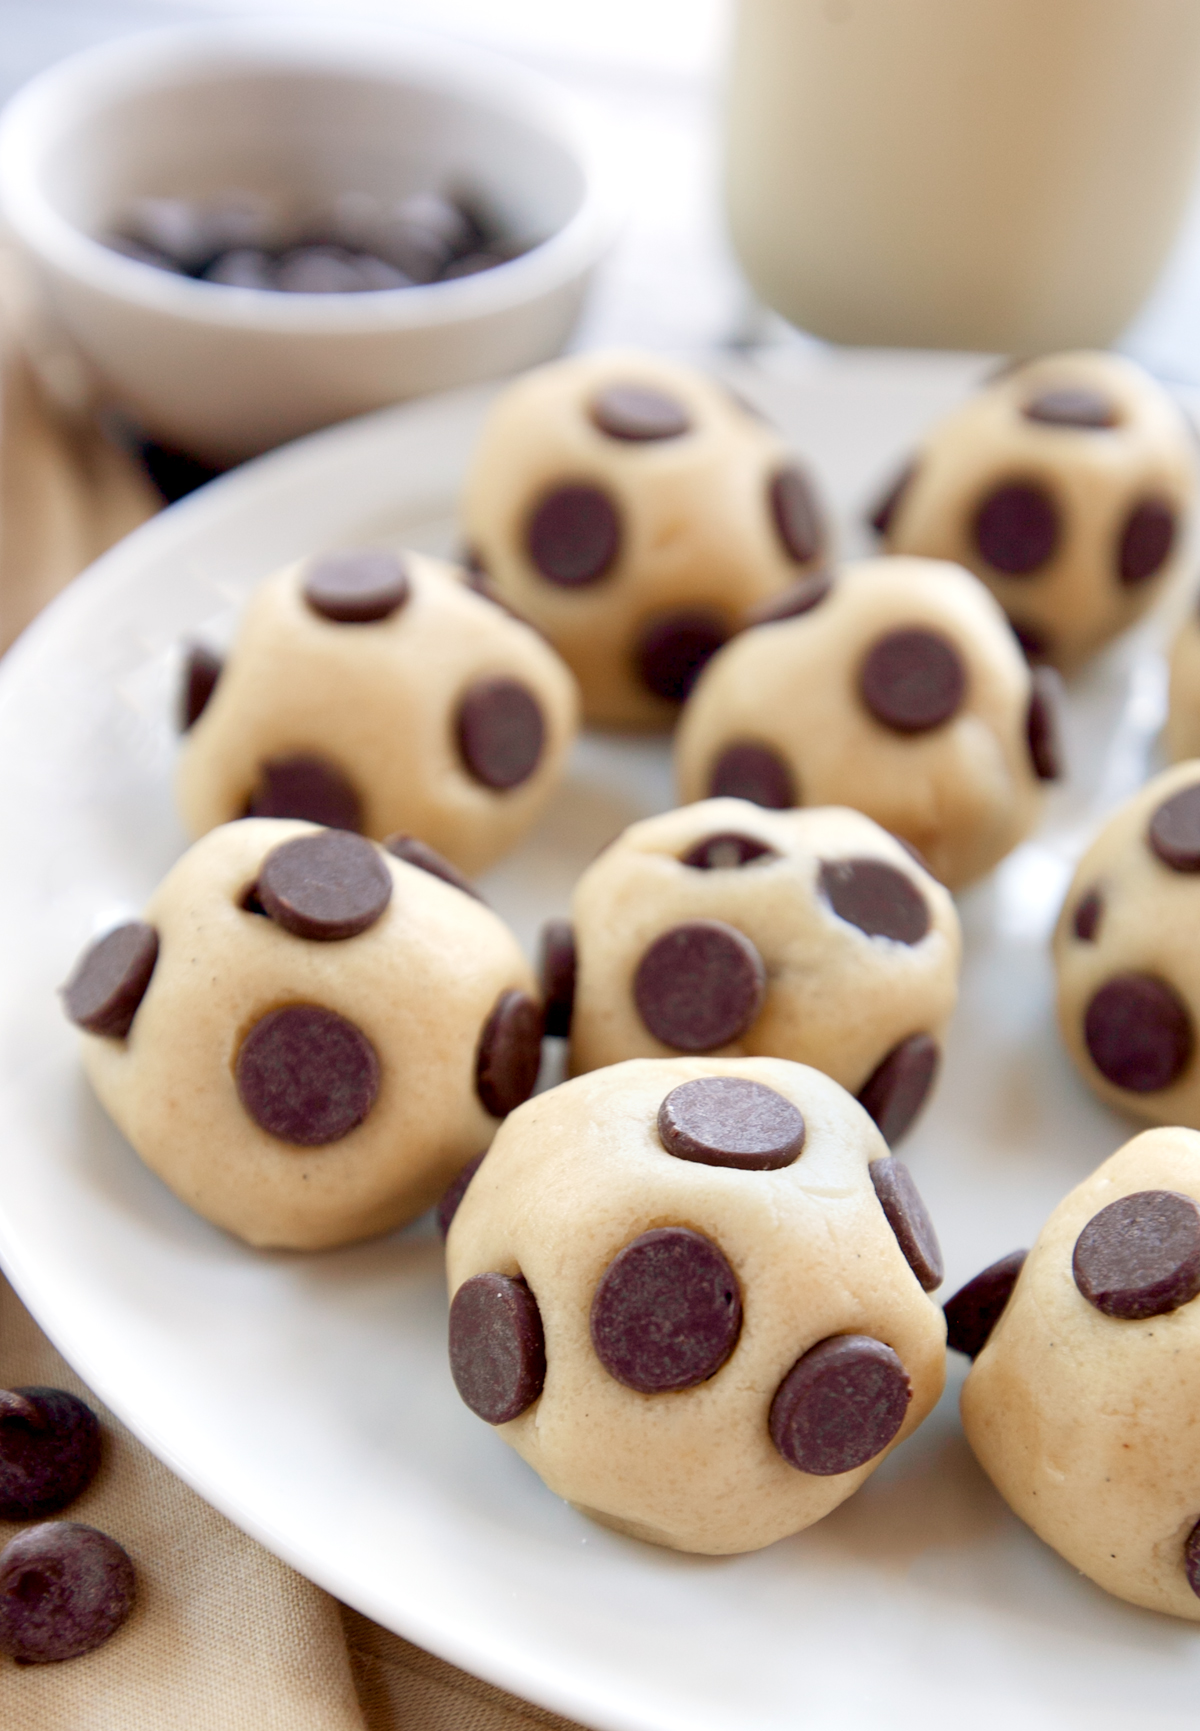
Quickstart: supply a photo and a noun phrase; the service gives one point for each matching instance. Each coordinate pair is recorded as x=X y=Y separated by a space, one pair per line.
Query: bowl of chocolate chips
x=250 y=229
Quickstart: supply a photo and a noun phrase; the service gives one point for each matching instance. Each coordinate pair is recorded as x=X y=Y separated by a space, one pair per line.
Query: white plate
x=308 y=1396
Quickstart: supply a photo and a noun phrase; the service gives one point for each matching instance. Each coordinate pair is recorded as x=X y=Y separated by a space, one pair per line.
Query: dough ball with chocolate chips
x=899 y=691
x=693 y=1294
x=374 y=692
x=635 y=512
x=1127 y=954
x=810 y=935
x=1081 y=1405
x=1067 y=485
x=307 y=1036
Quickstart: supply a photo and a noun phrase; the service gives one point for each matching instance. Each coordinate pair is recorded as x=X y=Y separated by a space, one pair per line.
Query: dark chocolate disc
x=501 y=732
x=913 y=680
x=64 y=1589
x=325 y=886
x=1140 y=1256
x=726 y=852
x=574 y=536
x=795 y=515
x=673 y=650
x=509 y=1053
x=667 y=1311
x=308 y=787
x=798 y=598
x=1034 y=642
x=909 y=1219
x=307 y=1075
x=1071 y=406
x=1016 y=528
x=557 y=974
x=699 y=986
x=1191 y=1559
x=840 y=1405
x=415 y=852
x=755 y=772
x=897 y=1088
x=875 y=897
x=881 y=517
x=201 y=671
x=356 y=588
x=1042 y=724
x=1174 y=832
x=1088 y=914
x=731 y=1121
x=497 y=1346
x=110 y=980
x=637 y=413
x=1138 y=1032
x=1146 y=542
x=49 y=1451
x=454 y=1192
x=977 y=1307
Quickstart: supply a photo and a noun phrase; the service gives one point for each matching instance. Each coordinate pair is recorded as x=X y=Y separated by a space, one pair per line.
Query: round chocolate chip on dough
x=977 y=1307
x=875 y=897
x=730 y=1121
x=1016 y=529
x=325 y=886
x=1086 y=921
x=497 y=1346
x=308 y=787
x=1071 y=406
x=1034 y=643
x=1140 y=1256
x=307 y=1075
x=798 y=598
x=897 y=1088
x=673 y=649
x=1138 y=1032
x=881 y=517
x=638 y=414
x=201 y=671
x=1191 y=1559
x=1146 y=542
x=726 y=852
x=49 y=1451
x=1174 y=832
x=913 y=680
x=356 y=588
x=509 y=1054
x=501 y=732
x=574 y=536
x=110 y=980
x=454 y=1192
x=699 y=986
x=754 y=772
x=840 y=1405
x=415 y=852
x=1041 y=724
x=909 y=1219
x=557 y=975
x=64 y=1589
x=667 y=1311
x=795 y=514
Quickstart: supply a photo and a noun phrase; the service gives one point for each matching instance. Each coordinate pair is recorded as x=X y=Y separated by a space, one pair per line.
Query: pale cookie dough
x=810 y=935
x=634 y=511
x=1067 y=485
x=692 y=1293
x=1183 y=710
x=1127 y=954
x=375 y=692
x=1082 y=1406
x=898 y=690
x=304 y=1036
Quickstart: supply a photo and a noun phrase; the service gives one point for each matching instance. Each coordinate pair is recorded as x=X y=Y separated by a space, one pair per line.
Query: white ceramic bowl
x=285 y=108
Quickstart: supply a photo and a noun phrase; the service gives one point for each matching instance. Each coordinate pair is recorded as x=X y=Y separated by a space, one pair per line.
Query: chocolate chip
x=110 y=980
x=637 y=413
x=242 y=267
x=1174 y=831
x=881 y=517
x=753 y=772
x=356 y=588
x=307 y=1075
x=201 y=671
x=798 y=598
x=497 y=1346
x=795 y=514
x=912 y=680
x=454 y=1192
x=64 y=1589
x=49 y=1451
x=1035 y=644
x=977 y=1307
x=1071 y=406
x=509 y=1053
x=1041 y=724
x=1088 y=914
x=558 y=976
x=897 y=1088
x=731 y=1121
x=306 y=787
x=326 y=886
x=1016 y=528
x=909 y=1219
x=840 y=1405
x=875 y=897
x=1140 y=1256
x=415 y=852
x=1146 y=542
x=726 y=852
x=1191 y=1559
x=672 y=651
x=1138 y=1032
x=574 y=536
x=667 y=1312
x=500 y=732
x=699 y=986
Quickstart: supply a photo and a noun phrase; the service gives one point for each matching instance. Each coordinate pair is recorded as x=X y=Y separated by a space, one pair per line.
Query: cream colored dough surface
x=1183 y=712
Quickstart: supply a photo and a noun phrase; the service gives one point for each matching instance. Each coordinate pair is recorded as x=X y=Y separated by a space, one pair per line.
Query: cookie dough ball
x=897 y=689
x=304 y=1036
x=692 y=1294
x=1067 y=485
x=374 y=692
x=1081 y=1405
x=810 y=935
x=634 y=511
x=1127 y=954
